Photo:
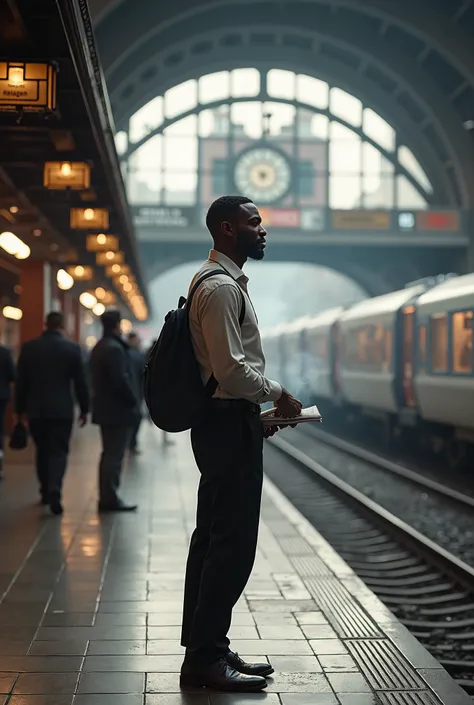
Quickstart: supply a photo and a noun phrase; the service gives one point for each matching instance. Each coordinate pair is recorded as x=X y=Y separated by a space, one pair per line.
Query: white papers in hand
x=310 y=414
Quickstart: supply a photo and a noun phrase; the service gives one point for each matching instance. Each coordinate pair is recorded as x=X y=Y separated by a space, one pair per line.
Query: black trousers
x=115 y=441
x=51 y=438
x=228 y=449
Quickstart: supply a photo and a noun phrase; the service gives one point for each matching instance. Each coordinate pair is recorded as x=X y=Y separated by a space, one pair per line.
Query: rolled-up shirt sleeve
x=219 y=319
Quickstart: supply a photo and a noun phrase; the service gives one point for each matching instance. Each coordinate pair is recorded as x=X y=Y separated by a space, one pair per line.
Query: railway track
x=389 y=466
x=429 y=590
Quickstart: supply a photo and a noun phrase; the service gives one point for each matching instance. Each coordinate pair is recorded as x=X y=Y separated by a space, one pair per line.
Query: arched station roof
x=410 y=60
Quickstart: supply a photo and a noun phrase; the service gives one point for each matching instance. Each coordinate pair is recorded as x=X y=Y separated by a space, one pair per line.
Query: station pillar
x=37 y=293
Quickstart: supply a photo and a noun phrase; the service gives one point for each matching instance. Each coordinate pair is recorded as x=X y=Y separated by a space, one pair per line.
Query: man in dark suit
x=115 y=408
x=49 y=368
x=137 y=358
x=7 y=376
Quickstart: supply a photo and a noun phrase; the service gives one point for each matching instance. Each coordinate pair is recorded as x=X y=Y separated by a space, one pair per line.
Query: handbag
x=19 y=437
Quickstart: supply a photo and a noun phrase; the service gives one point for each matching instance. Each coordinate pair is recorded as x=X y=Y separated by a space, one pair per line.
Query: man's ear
x=227 y=229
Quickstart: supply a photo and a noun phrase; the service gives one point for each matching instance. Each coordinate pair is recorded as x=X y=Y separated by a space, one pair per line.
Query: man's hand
x=287 y=406
x=270 y=431
x=82 y=420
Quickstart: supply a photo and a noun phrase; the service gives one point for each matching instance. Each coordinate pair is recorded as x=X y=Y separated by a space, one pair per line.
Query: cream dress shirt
x=231 y=352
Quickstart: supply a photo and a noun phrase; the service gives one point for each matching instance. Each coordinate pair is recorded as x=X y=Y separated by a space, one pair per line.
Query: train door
x=408 y=356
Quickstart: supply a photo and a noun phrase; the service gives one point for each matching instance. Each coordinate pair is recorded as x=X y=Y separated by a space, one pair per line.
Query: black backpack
x=175 y=395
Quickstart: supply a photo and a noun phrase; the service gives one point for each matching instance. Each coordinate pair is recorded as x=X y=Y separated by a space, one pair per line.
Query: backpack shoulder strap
x=212 y=382
x=213 y=273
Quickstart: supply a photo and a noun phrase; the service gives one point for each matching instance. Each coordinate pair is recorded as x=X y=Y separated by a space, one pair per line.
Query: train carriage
x=319 y=366
x=292 y=357
x=444 y=373
x=371 y=340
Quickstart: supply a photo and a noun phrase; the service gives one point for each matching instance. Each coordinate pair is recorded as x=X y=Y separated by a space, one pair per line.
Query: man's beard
x=249 y=248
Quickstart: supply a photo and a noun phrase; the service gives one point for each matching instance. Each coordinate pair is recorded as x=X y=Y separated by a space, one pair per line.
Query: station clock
x=263 y=174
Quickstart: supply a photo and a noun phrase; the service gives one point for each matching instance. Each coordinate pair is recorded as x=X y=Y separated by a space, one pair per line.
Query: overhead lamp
x=89 y=218
x=63 y=175
x=14 y=246
x=14 y=210
x=80 y=272
x=102 y=243
x=87 y=299
x=65 y=281
x=108 y=298
x=27 y=86
x=15 y=314
x=109 y=258
x=98 y=309
x=117 y=269
x=127 y=287
x=91 y=340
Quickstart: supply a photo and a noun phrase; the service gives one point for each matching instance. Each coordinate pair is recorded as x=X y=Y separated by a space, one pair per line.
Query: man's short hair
x=110 y=320
x=224 y=208
x=54 y=320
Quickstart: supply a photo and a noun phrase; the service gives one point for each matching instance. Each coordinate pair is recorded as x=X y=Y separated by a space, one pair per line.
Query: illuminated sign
x=437 y=220
x=280 y=217
x=406 y=221
x=313 y=219
x=163 y=217
x=361 y=220
x=26 y=85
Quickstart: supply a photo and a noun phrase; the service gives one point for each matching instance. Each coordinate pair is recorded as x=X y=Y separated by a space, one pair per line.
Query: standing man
x=115 y=408
x=138 y=366
x=49 y=367
x=228 y=447
x=7 y=376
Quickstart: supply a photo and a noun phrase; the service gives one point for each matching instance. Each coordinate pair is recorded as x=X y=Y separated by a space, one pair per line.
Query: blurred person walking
x=115 y=409
x=7 y=377
x=50 y=368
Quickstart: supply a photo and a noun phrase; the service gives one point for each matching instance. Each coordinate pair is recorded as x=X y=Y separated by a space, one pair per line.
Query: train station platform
x=90 y=606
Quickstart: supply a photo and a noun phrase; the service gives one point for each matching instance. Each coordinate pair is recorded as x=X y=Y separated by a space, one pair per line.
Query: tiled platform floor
x=90 y=608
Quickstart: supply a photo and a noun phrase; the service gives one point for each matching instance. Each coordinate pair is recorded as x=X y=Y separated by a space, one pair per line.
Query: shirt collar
x=229 y=265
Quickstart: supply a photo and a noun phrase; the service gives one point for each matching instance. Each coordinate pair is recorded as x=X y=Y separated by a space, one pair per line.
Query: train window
x=439 y=343
x=422 y=345
x=462 y=342
x=362 y=347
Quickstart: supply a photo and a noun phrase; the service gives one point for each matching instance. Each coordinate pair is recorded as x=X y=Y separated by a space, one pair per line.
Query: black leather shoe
x=117 y=507
x=56 y=507
x=220 y=676
x=249 y=669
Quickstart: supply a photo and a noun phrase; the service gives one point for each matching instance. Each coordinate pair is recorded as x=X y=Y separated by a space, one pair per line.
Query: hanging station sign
x=27 y=86
x=163 y=216
x=280 y=217
x=361 y=220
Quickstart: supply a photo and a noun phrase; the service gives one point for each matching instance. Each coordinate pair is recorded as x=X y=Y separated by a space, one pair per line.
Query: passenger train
x=404 y=359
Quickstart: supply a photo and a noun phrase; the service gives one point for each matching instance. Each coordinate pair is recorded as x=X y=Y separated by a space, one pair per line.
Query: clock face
x=262 y=174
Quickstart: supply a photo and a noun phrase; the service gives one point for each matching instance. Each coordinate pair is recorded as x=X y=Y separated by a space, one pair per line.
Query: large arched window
x=284 y=139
